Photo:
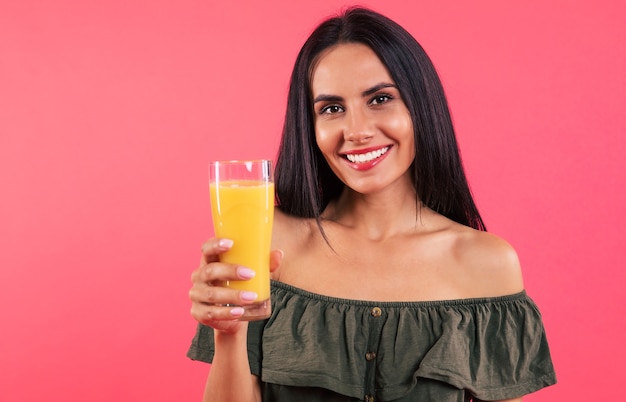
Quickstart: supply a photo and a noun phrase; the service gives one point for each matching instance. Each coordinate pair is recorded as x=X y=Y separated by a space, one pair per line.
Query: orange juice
x=243 y=211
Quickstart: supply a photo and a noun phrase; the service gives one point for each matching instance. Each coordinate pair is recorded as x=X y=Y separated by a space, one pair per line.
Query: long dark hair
x=305 y=183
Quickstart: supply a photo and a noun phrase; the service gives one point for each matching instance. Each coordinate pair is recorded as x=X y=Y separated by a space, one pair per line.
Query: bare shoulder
x=291 y=233
x=289 y=229
x=491 y=262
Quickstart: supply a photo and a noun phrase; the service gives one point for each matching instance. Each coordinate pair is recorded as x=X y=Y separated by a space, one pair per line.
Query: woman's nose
x=359 y=127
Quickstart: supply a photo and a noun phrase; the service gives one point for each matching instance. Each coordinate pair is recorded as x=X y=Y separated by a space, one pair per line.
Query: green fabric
x=315 y=348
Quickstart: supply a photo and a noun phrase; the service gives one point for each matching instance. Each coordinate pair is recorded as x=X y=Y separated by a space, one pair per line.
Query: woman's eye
x=378 y=99
x=331 y=109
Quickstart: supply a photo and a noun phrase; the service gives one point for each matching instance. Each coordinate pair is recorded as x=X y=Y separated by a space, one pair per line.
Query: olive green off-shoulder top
x=319 y=348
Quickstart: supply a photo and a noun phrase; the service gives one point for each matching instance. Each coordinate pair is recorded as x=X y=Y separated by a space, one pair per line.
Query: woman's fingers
x=212 y=303
x=211 y=314
x=212 y=248
x=216 y=272
x=219 y=295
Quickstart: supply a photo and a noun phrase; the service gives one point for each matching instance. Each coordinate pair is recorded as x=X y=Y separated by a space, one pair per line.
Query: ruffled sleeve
x=494 y=348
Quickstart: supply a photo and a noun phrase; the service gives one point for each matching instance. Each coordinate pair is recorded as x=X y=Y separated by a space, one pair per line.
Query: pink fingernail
x=225 y=243
x=245 y=273
x=248 y=296
x=237 y=311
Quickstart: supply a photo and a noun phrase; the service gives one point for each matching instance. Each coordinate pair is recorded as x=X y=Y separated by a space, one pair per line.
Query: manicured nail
x=237 y=311
x=225 y=243
x=248 y=296
x=245 y=273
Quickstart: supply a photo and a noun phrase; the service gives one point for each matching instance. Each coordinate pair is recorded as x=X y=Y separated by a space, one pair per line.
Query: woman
x=386 y=285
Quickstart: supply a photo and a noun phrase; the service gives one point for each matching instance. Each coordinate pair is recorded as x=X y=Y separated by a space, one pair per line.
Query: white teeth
x=370 y=156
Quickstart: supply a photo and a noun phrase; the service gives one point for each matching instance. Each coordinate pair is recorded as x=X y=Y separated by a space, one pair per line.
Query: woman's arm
x=229 y=378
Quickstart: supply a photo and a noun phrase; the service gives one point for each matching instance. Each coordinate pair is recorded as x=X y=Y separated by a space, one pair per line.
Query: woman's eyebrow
x=367 y=92
x=377 y=88
x=327 y=98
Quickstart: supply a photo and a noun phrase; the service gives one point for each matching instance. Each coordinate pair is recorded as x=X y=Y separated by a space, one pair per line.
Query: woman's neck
x=377 y=216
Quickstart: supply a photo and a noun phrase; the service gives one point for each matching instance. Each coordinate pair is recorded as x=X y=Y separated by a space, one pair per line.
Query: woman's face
x=362 y=125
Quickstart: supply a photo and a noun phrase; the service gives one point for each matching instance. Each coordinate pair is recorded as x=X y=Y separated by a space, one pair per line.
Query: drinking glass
x=242 y=206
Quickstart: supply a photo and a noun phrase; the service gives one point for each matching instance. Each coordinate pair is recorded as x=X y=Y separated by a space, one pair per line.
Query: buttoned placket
x=375 y=320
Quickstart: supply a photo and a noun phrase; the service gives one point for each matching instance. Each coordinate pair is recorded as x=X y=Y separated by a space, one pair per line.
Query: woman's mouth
x=367 y=157
x=366 y=160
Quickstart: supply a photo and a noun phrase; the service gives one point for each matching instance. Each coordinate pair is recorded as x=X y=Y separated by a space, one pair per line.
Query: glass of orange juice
x=242 y=206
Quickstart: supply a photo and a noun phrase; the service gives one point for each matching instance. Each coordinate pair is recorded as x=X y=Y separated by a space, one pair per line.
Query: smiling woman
x=386 y=285
x=111 y=110
x=360 y=124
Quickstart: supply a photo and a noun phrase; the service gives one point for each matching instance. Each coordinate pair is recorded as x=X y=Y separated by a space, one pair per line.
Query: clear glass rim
x=239 y=161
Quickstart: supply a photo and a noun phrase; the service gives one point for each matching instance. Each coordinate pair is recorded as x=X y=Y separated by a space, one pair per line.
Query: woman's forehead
x=347 y=65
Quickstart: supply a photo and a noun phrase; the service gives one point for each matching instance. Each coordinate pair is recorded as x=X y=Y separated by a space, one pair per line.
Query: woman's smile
x=364 y=159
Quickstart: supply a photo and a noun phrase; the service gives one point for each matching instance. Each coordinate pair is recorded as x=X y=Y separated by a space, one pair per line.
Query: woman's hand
x=208 y=297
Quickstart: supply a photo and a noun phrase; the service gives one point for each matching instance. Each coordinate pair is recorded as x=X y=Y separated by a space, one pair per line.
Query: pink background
x=111 y=110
